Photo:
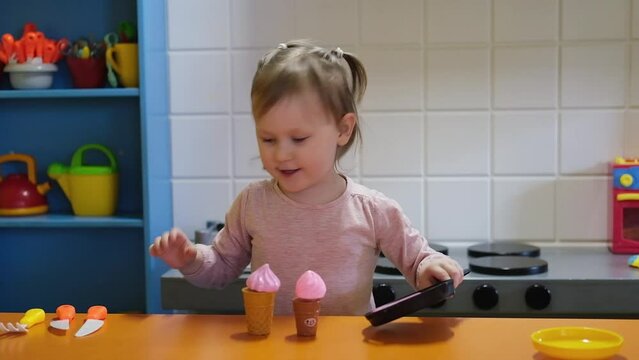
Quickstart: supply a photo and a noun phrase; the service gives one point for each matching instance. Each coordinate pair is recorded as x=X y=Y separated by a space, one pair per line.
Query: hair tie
x=338 y=52
x=282 y=46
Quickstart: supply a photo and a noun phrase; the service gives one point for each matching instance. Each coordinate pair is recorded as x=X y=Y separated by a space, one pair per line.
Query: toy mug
x=87 y=73
x=123 y=58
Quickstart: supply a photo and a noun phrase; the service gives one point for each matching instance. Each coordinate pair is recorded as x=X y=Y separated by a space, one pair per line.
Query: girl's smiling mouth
x=288 y=171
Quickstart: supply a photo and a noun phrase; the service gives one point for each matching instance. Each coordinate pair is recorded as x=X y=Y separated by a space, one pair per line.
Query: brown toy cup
x=258 y=307
x=306 y=316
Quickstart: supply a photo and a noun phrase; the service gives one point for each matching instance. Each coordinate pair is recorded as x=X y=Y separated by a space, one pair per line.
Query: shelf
x=69 y=93
x=70 y=221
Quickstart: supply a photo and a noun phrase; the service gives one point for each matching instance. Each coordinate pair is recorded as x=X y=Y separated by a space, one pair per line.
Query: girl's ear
x=346 y=126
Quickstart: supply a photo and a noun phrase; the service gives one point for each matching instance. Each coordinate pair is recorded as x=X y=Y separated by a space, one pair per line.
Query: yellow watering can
x=92 y=190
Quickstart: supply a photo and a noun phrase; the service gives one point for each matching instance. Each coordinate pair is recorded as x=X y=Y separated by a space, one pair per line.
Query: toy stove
x=531 y=282
x=520 y=280
x=625 y=206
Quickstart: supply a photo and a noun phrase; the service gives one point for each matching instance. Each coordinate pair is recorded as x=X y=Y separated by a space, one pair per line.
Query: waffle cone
x=306 y=316
x=258 y=307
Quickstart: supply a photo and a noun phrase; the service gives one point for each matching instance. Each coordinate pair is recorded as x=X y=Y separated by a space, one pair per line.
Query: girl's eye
x=267 y=141
x=299 y=140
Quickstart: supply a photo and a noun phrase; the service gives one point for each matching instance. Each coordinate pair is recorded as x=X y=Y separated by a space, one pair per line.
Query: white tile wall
x=395 y=80
x=525 y=143
x=504 y=114
x=536 y=87
x=458 y=143
x=189 y=19
x=457 y=21
x=523 y=209
x=458 y=78
x=525 y=20
x=200 y=146
x=458 y=209
x=594 y=75
x=594 y=19
x=383 y=155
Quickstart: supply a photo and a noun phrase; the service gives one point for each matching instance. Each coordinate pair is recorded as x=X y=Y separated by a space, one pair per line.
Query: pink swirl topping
x=310 y=286
x=263 y=280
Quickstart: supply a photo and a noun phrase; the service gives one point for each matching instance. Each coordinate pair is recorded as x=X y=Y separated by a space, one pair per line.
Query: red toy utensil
x=95 y=320
x=65 y=313
x=30 y=43
x=18 y=47
x=49 y=51
x=29 y=27
x=40 y=39
x=8 y=44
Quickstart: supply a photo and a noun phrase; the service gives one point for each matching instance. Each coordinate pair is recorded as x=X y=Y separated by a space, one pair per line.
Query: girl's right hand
x=175 y=248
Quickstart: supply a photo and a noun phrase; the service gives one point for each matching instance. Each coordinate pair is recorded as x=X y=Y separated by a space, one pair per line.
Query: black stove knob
x=383 y=294
x=485 y=296
x=538 y=296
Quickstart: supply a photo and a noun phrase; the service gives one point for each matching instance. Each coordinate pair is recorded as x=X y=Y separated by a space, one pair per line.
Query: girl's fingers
x=440 y=273
x=455 y=272
x=155 y=249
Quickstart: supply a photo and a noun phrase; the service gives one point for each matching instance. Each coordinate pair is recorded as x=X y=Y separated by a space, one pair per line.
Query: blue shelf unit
x=69 y=93
x=59 y=258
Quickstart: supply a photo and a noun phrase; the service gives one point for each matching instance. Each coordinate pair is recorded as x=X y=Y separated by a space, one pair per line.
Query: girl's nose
x=283 y=152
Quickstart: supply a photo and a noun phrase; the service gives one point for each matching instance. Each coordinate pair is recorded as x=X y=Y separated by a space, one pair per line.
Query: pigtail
x=359 y=79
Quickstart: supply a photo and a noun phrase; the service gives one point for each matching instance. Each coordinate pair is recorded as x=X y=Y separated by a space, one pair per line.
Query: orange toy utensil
x=95 y=320
x=65 y=313
x=18 y=47
x=40 y=39
x=30 y=43
x=7 y=44
x=49 y=51
x=29 y=27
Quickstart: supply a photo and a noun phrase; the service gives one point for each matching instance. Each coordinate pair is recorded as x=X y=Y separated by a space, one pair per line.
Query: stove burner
x=385 y=266
x=503 y=249
x=439 y=248
x=508 y=265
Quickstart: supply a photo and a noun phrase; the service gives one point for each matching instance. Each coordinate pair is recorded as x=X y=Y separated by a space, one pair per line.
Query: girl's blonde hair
x=338 y=78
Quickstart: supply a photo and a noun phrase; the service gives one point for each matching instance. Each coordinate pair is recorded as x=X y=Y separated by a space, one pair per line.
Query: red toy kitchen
x=625 y=206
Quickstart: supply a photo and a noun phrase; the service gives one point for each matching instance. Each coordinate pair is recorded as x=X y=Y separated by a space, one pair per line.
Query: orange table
x=224 y=337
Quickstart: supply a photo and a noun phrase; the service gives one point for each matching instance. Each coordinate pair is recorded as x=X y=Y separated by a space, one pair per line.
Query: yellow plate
x=577 y=342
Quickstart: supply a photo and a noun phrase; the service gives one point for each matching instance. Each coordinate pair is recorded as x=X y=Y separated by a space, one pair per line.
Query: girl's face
x=298 y=140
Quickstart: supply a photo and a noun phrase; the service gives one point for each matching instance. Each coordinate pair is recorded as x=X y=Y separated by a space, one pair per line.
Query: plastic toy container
x=31 y=76
x=92 y=190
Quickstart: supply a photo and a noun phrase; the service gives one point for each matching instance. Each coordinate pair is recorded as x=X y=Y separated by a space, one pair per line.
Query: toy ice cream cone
x=258 y=307
x=259 y=300
x=309 y=290
x=306 y=316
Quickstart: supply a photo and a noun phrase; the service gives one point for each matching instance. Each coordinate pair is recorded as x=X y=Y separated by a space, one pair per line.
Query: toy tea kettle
x=20 y=194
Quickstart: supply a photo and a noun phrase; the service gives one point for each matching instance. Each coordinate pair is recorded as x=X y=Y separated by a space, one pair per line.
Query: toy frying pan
x=411 y=303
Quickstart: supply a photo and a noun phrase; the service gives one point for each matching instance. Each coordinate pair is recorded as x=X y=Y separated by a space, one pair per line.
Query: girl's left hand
x=437 y=269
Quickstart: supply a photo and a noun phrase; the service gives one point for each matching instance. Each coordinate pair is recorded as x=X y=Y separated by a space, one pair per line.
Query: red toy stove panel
x=625 y=206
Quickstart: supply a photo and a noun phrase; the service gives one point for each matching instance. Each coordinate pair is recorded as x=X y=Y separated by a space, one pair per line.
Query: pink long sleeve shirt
x=340 y=241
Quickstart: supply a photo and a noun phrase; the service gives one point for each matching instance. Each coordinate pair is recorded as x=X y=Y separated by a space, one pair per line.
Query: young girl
x=309 y=216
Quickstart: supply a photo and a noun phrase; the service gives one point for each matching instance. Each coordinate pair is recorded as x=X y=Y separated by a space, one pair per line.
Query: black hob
x=507 y=259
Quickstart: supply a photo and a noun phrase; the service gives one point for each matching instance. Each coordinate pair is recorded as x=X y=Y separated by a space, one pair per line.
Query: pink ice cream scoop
x=263 y=280
x=310 y=286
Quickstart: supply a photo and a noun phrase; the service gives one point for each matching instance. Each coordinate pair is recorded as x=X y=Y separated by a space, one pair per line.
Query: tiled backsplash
x=486 y=120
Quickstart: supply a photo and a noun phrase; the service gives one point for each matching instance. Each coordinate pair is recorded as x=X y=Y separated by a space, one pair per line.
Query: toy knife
x=65 y=313
x=95 y=320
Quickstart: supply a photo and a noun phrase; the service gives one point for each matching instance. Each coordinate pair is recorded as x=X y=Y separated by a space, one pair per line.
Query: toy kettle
x=92 y=190
x=20 y=194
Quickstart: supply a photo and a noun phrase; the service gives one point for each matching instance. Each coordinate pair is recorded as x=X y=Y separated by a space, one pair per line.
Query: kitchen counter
x=581 y=282
x=224 y=337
